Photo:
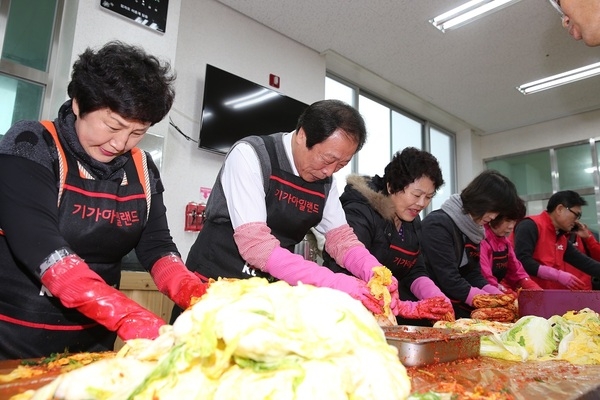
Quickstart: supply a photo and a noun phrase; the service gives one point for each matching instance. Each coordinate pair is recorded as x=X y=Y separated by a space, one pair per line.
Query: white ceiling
x=470 y=72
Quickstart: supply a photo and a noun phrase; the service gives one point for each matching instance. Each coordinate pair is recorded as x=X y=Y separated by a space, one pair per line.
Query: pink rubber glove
x=564 y=278
x=395 y=295
x=293 y=268
x=77 y=286
x=491 y=289
x=434 y=308
x=528 y=284
x=360 y=263
x=173 y=279
x=472 y=293
x=424 y=288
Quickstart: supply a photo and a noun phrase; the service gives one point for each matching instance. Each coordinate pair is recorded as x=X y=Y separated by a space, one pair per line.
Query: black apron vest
x=463 y=310
x=293 y=207
x=402 y=253
x=499 y=263
x=102 y=221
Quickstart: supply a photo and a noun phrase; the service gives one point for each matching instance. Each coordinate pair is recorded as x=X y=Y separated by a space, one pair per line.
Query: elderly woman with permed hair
x=76 y=195
x=451 y=237
x=384 y=214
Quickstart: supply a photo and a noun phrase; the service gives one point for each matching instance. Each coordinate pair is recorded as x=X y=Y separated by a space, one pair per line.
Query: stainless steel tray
x=418 y=346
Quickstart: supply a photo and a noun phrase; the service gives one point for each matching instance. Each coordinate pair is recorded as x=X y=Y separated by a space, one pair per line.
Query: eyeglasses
x=576 y=214
x=556 y=5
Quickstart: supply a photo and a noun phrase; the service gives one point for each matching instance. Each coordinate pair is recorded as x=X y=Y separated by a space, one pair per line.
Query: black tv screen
x=234 y=107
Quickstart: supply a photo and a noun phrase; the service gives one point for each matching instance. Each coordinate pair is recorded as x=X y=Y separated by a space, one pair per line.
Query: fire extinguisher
x=194 y=216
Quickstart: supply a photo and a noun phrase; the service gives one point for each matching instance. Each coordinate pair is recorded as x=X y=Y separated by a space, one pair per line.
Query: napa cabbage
x=531 y=337
x=249 y=339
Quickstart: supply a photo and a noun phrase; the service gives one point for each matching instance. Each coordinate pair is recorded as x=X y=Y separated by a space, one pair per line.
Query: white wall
x=566 y=130
x=210 y=33
x=200 y=32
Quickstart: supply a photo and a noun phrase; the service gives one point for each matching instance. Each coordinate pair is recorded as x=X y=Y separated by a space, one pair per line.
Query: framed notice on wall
x=150 y=13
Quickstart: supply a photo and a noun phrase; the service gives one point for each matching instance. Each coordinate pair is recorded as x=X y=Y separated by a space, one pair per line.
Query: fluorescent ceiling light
x=468 y=12
x=560 y=79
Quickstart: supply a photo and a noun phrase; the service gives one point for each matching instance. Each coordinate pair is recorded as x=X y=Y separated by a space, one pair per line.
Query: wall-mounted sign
x=150 y=13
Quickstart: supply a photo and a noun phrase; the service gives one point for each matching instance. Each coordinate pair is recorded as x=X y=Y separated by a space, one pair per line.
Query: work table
x=547 y=380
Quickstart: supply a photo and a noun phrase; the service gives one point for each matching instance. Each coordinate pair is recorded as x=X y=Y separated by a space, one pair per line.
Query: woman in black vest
x=76 y=196
x=451 y=237
x=384 y=214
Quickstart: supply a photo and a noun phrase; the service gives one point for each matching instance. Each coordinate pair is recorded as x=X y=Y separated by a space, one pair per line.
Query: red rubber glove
x=505 y=289
x=528 y=284
x=434 y=308
x=173 y=279
x=77 y=286
x=564 y=278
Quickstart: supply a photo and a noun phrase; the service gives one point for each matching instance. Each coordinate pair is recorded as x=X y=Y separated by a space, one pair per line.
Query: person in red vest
x=583 y=239
x=542 y=245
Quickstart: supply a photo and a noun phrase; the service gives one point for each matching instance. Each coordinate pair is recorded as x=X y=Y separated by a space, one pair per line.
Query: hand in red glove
x=434 y=308
x=505 y=289
x=173 y=279
x=77 y=286
x=528 y=284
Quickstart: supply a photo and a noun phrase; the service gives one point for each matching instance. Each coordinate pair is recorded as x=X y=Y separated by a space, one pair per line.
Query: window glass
x=29 y=32
x=154 y=145
x=531 y=173
x=575 y=167
x=375 y=154
x=442 y=147
x=406 y=132
x=590 y=214
x=390 y=131
x=339 y=91
x=21 y=100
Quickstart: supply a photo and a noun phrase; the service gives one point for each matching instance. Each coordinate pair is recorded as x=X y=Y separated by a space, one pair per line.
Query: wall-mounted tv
x=234 y=107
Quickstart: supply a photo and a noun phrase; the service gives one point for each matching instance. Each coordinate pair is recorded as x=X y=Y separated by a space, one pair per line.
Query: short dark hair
x=567 y=198
x=321 y=119
x=516 y=214
x=408 y=166
x=490 y=191
x=125 y=79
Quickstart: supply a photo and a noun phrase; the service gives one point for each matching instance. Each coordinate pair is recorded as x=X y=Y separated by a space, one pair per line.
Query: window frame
x=18 y=71
x=426 y=126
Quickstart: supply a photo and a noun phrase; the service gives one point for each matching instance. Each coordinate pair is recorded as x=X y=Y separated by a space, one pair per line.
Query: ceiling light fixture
x=560 y=79
x=468 y=12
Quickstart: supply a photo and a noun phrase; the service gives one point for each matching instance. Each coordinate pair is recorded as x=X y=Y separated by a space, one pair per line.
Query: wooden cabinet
x=140 y=287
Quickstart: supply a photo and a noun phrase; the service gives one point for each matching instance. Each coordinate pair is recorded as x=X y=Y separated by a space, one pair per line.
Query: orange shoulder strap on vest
x=141 y=166
x=62 y=165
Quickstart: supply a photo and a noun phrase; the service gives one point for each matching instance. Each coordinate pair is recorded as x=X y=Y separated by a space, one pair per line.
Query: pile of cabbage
x=250 y=339
x=574 y=337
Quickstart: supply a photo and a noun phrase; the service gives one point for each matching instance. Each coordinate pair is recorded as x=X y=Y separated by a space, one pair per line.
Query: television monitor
x=234 y=107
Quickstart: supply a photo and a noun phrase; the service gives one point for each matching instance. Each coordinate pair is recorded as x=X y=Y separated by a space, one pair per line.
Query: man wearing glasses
x=581 y=18
x=542 y=245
